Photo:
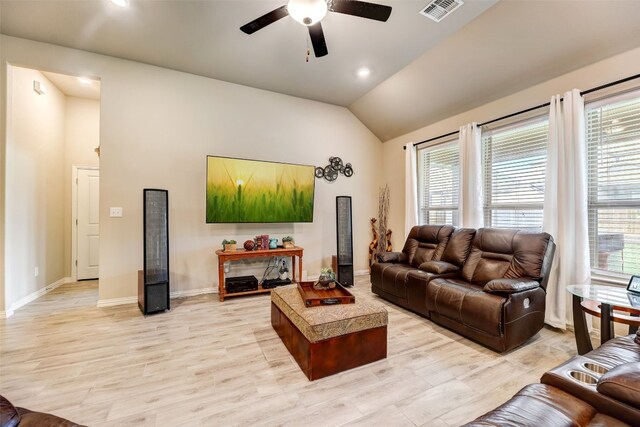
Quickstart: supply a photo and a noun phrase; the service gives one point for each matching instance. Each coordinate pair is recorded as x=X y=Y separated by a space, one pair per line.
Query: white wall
x=34 y=178
x=599 y=73
x=156 y=128
x=81 y=137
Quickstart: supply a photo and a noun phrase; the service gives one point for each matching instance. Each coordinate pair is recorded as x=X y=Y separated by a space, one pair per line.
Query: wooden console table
x=242 y=254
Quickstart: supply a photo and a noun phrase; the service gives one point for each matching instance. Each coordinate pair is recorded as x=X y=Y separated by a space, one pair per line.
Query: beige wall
x=34 y=178
x=599 y=73
x=82 y=136
x=156 y=128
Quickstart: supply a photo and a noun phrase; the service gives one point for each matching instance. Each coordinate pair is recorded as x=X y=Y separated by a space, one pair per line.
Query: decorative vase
x=273 y=243
x=230 y=247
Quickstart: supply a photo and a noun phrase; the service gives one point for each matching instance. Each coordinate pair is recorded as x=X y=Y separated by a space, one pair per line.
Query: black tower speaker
x=344 y=259
x=153 y=281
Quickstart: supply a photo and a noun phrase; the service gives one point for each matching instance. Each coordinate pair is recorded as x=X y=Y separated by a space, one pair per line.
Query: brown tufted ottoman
x=326 y=340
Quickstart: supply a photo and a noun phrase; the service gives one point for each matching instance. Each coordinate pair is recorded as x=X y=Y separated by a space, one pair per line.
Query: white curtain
x=565 y=203
x=470 y=212
x=411 y=188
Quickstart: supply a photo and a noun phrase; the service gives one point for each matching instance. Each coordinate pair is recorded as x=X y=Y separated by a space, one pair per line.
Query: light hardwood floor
x=207 y=363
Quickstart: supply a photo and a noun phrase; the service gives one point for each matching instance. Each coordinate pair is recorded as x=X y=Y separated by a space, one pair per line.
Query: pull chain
x=308 y=51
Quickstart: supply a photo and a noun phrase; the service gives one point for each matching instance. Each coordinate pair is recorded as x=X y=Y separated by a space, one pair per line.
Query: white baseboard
x=194 y=292
x=33 y=296
x=116 y=301
x=175 y=294
x=6 y=314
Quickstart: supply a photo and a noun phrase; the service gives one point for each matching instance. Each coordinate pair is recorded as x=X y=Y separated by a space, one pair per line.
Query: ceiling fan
x=310 y=12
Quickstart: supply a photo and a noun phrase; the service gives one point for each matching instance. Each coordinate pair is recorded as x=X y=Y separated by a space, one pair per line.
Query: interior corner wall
x=156 y=128
x=34 y=191
x=81 y=138
x=611 y=69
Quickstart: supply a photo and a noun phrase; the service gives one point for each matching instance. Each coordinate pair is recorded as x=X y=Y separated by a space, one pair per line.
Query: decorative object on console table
x=153 y=281
x=249 y=245
x=273 y=243
x=287 y=242
x=344 y=238
x=229 y=245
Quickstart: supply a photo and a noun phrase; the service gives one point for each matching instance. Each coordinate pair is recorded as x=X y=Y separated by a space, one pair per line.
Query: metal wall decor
x=331 y=171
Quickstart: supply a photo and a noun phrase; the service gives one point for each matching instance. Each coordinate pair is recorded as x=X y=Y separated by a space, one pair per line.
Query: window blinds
x=514 y=163
x=613 y=153
x=439 y=184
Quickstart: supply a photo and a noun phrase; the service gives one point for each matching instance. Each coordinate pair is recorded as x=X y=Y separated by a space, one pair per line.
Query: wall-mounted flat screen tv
x=240 y=190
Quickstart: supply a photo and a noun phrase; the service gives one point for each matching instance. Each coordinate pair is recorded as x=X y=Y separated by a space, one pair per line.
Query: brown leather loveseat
x=487 y=284
x=601 y=388
x=10 y=416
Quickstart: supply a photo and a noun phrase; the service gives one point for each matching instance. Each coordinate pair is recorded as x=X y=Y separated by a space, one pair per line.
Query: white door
x=88 y=223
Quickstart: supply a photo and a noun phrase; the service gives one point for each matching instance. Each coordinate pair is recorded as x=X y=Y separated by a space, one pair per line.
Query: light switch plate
x=115 y=212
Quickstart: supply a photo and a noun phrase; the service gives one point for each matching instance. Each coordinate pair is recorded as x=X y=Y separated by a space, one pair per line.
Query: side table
x=607 y=298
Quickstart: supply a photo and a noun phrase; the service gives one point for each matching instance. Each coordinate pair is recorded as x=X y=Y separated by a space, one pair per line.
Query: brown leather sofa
x=10 y=416
x=487 y=284
x=601 y=388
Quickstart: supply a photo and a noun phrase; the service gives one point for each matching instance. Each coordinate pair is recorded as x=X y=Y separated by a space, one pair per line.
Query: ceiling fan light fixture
x=307 y=12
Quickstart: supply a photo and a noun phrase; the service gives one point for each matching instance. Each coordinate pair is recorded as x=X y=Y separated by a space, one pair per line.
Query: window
x=514 y=163
x=439 y=183
x=613 y=156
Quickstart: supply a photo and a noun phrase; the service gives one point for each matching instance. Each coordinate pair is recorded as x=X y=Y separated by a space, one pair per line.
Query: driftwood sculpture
x=373 y=246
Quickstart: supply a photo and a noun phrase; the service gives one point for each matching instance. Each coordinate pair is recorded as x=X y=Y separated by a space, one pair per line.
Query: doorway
x=86 y=222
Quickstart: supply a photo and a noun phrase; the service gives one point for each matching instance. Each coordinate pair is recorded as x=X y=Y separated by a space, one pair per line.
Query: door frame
x=74 y=217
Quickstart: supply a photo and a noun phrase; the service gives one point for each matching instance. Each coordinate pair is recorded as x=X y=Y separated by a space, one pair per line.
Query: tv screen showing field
x=240 y=190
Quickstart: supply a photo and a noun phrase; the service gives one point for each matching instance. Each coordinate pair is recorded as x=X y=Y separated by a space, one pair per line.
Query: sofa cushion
x=542 y=405
x=426 y=243
x=466 y=303
x=459 y=246
x=622 y=383
x=391 y=278
x=438 y=267
x=505 y=253
x=510 y=286
x=616 y=352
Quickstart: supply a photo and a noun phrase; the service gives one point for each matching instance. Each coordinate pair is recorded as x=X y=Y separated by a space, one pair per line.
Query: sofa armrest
x=622 y=383
x=438 y=267
x=510 y=286
x=394 y=257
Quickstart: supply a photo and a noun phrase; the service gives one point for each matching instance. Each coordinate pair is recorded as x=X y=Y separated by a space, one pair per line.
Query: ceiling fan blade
x=361 y=9
x=317 y=40
x=264 y=20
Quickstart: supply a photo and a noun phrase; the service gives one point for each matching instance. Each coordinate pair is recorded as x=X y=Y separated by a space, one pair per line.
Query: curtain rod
x=546 y=104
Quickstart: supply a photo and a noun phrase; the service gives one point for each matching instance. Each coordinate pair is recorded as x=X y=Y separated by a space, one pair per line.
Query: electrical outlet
x=115 y=212
x=36 y=272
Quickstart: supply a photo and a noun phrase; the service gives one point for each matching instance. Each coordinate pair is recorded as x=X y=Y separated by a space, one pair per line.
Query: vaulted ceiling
x=421 y=71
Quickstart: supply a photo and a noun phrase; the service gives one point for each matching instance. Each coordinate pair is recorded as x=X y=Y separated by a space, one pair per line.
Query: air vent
x=440 y=9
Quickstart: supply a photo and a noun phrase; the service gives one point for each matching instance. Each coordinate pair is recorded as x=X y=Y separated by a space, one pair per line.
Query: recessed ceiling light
x=121 y=3
x=363 y=72
x=85 y=80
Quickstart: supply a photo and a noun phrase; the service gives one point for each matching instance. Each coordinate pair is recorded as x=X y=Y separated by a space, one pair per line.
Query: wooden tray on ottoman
x=315 y=297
